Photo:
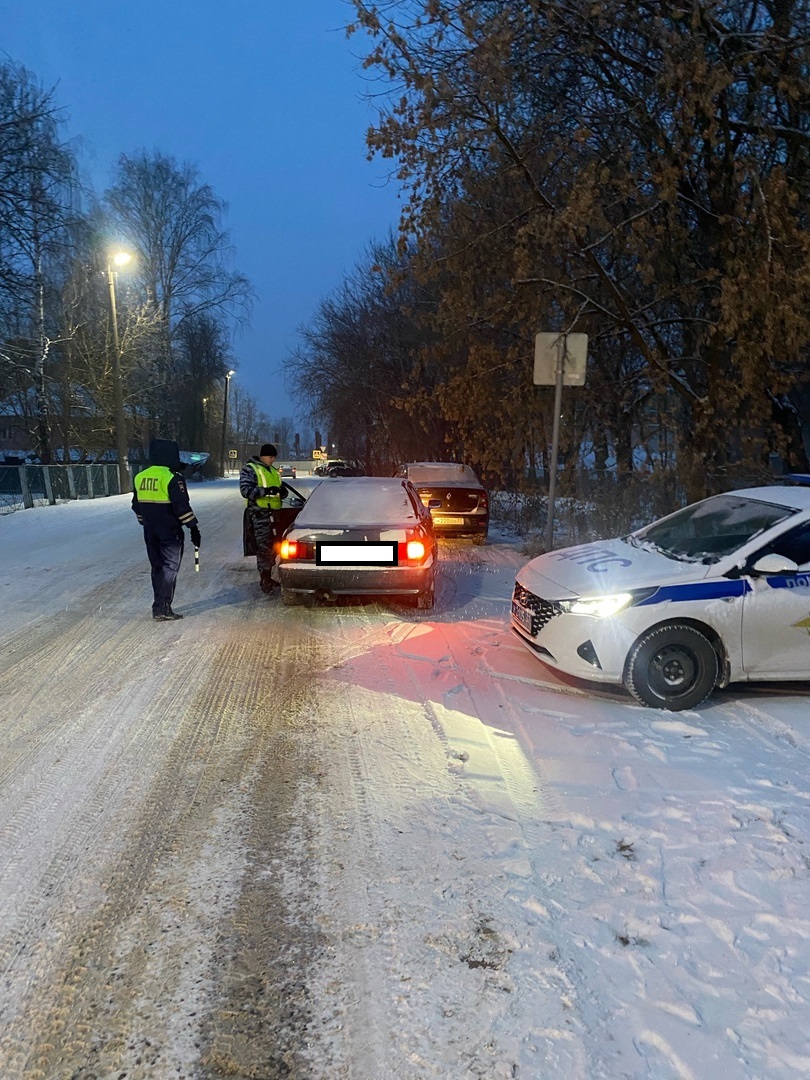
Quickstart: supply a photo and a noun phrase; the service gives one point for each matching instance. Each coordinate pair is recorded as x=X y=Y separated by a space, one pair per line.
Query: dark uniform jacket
x=165 y=518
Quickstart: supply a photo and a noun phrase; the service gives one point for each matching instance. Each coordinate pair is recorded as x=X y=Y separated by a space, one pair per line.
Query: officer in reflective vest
x=262 y=488
x=160 y=501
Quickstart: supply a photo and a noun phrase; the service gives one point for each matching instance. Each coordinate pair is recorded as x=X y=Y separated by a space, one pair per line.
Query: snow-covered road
x=371 y=842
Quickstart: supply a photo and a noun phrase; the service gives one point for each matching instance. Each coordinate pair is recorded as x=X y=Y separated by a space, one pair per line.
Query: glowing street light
x=118 y=259
x=225 y=421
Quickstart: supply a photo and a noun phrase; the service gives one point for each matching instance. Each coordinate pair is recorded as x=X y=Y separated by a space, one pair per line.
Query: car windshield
x=441 y=473
x=357 y=501
x=708 y=531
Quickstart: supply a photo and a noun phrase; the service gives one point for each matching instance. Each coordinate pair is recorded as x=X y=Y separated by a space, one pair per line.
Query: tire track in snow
x=107 y=927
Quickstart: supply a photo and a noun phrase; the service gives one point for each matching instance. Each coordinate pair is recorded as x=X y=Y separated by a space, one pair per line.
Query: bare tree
x=248 y=425
x=37 y=184
x=172 y=220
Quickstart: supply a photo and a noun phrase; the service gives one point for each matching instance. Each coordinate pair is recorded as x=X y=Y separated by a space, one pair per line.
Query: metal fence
x=25 y=486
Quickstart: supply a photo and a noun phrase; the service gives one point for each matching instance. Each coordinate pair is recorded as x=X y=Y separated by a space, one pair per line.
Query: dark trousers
x=264 y=529
x=165 y=557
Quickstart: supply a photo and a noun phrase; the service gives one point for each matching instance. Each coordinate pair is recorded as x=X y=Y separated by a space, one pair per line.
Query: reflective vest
x=152 y=485
x=266 y=476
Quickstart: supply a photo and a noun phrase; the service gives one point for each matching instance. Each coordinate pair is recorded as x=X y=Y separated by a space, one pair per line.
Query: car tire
x=479 y=539
x=672 y=667
x=289 y=597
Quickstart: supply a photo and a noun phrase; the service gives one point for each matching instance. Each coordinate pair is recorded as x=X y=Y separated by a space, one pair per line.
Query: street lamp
x=119 y=258
x=225 y=420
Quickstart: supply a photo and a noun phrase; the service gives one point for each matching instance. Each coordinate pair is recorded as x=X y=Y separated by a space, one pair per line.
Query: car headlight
x=600 y=606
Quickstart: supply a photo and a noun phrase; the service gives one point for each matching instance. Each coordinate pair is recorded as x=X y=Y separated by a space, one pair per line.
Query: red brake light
x=288 y=549
x=415 y=550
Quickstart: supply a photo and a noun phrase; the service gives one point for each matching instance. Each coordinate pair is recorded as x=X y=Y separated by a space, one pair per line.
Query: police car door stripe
x=701 y=590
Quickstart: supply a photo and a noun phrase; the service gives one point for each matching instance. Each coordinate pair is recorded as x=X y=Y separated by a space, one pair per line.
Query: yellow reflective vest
x=152 y=484
x=266 y=476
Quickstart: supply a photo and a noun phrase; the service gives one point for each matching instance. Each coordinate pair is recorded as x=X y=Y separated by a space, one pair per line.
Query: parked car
x=366 y=536
x=286 y=471
x=339 y=467
x=455 y=496
x=717 y=592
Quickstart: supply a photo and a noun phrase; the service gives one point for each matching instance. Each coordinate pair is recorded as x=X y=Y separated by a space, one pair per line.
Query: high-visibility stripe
x=700 y=590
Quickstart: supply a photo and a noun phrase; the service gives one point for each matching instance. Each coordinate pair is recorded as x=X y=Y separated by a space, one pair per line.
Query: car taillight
x=288 y=549
x=415 y=551
x=483 y=502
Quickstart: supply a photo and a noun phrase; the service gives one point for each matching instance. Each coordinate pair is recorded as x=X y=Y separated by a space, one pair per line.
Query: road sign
x=549 y=349
x=559 y=360
x=233 y=453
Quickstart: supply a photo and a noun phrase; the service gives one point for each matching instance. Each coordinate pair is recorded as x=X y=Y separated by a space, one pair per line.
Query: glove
x=285 y=491
x=194 y=533
x=271 y=491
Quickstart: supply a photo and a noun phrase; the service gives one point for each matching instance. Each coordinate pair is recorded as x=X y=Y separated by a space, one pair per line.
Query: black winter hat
x=165 y=452
x=268 y=450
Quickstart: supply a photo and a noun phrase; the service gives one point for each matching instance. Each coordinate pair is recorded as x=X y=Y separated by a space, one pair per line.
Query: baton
x=196 y=560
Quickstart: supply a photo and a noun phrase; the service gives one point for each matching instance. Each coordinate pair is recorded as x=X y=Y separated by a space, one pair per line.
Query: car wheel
x=289 y=597
x=479 y=539
x=673 y=667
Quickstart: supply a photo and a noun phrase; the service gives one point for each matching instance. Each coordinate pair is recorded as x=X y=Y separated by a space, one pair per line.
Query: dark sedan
x=359 y=536
x=454 y=495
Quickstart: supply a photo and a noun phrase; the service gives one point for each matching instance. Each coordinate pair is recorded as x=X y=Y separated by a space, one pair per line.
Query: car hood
x=607 y=566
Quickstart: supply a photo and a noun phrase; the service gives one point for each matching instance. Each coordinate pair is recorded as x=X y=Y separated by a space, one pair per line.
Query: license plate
x=447 y=520
x=347 y=553
x=523 y=616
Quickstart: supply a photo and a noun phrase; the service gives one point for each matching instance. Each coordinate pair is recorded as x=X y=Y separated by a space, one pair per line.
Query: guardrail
x=27 y=486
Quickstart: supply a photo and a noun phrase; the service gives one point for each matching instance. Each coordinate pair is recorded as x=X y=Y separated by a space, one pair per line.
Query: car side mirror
x=774 y=564
x=434 y=504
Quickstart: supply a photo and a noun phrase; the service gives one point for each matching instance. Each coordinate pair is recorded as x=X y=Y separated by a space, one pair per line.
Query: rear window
x=354 y=500
x=442 y=473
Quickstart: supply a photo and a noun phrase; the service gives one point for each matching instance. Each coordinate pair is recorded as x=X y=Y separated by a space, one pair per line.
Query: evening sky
x=266 y=98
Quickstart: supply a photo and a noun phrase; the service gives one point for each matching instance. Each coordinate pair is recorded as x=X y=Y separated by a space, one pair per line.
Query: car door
x=290 y=509
x=776 y=612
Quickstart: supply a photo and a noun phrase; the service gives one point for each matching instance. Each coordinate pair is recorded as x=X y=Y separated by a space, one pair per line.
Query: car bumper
x=581 y=646
x=448 y=524
x=357 y=581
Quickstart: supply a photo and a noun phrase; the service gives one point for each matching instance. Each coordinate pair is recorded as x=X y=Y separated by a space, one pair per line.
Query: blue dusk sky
x=266 y=98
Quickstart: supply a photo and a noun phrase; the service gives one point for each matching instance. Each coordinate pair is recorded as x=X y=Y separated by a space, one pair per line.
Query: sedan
x=286 y=472
x=715 y=593
x=455 y=496
x=359 y=536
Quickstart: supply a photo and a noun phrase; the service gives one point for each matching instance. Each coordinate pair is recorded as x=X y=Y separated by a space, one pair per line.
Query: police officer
x=160 y=501
x=262 y=488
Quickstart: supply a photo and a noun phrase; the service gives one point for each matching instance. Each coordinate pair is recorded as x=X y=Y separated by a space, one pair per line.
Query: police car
x=715 y=593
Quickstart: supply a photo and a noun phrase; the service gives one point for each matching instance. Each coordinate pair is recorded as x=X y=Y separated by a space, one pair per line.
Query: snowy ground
x=365 y=841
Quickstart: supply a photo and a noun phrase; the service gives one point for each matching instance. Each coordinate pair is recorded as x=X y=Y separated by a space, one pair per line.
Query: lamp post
x=120 y=258
x=225 y=420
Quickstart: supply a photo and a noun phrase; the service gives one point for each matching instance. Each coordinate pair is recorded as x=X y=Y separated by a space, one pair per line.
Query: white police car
x=715 y=593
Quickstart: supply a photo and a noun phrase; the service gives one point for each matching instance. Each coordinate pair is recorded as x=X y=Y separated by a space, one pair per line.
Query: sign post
x=559 y=360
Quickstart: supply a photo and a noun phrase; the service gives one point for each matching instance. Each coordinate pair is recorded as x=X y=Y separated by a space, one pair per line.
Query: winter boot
x=167 y=616
x=267 y=583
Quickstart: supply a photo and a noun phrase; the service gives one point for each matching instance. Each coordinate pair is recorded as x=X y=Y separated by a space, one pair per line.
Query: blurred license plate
x=347 y=553
x=523 y=616
x=447 y=520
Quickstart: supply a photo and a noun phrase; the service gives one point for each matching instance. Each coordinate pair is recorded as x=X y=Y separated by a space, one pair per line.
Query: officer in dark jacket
x=160 y=501
x=262 y=489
